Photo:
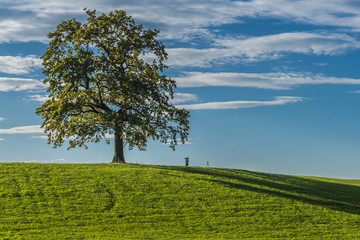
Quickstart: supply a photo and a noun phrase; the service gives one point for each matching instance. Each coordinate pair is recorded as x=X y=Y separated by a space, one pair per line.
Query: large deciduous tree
x=105 y=76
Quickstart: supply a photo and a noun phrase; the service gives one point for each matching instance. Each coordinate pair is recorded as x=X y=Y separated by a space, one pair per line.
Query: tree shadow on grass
x=336 y=196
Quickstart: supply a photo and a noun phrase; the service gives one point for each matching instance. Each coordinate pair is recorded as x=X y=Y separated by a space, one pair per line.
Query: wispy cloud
x=276 y=81
x=177 y=19
x=297 y=42
x=31 y=20
x=183 y=97
x=18 y=64
x=241 y=104
x=2 y=119
x=22 y=130
x=252 y=49
x=40 y=137
x=344 y=13
x=24 y=30
x=59 y=160
x=188 y=142
x=19 y=84
x=38 y=98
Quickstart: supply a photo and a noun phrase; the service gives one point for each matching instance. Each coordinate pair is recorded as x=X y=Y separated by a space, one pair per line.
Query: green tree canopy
x=101 y=81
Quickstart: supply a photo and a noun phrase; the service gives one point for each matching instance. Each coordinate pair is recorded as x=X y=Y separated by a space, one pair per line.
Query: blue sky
x=272 y=85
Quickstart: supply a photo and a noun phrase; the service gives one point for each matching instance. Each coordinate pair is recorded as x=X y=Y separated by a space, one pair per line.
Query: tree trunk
x=119 y=148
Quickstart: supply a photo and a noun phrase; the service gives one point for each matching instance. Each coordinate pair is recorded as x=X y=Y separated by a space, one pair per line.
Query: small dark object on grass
x=186 y=161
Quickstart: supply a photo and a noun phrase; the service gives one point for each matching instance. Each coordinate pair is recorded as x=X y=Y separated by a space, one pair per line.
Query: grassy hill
x=108 y=201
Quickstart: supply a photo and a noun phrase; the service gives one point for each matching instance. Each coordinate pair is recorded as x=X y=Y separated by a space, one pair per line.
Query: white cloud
x=188 y=142
x=345 y=13
x=297 y=42
x=19 y=84
x=1 y=139
x=58 y=160
x=241 y=104
x=24 y=30
x=183 y=97
x=18 y=64
x=40 y=137
x=39 y=98
x=195 y=57
x=2 y=119
x=22 y=130
x=31 y=20
x=277 y=81
x=262 y=48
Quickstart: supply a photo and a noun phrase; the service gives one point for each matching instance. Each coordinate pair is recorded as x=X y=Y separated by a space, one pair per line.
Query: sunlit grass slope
x=108 y=201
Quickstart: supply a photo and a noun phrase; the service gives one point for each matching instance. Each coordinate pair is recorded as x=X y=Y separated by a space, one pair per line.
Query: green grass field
x=116 y=201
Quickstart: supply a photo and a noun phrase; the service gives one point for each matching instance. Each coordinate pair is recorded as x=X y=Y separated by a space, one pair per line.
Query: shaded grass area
x=107 y=201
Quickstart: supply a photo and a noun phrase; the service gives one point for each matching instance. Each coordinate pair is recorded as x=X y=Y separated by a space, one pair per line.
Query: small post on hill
x=186 y=162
